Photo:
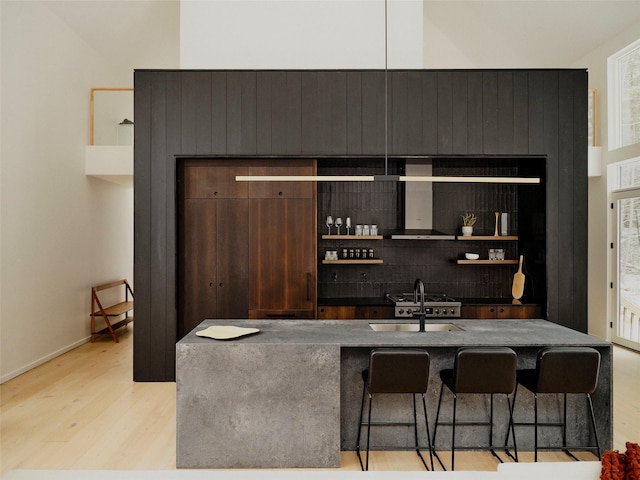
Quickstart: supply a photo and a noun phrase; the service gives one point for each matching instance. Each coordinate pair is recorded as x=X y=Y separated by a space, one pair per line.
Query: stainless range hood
x=418 y=206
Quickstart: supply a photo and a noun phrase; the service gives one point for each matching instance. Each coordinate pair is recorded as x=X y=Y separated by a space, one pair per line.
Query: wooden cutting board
x=517 y=288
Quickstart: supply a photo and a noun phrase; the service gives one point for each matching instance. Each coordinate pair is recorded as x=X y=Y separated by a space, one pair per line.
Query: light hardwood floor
x=83 y=411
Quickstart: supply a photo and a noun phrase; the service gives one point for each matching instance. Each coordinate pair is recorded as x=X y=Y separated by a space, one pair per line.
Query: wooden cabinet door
x=478 y=311
x=281 y=257
x=232 y=258
x=518 y=311
x=337 y=312
x=198 y=279
x=349 y=312
x=283 y=189
x=375 y=312
x=213 y=181
x=487 y=312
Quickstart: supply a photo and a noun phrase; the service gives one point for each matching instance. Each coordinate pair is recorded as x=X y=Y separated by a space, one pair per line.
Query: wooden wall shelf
x=352 y=237
x=489 y=237
x=487 y=262
x=373 y=261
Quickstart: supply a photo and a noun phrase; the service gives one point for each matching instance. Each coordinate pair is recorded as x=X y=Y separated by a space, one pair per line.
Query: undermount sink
x=414 y=327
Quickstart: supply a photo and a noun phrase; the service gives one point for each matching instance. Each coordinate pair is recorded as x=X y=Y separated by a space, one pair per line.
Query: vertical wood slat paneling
x=474 y=113
x=536 y=113
x=286 y=113
x=490 y=112
x=142 y=223
x=415 y=114
x=445 y=113
x=565 y=203
x=550 y=147
x=188 y=112
x=241 y=113
x=218 y=112
x=373 y=130
x=429 y=112
x=354 y=113
x=580 y=193
x=505 y=131
x=460 y=113
x=398 y=112
x=536 y=129
x=324 y=112
x=520 y=113
x=159 y=219
x=172 y=141
x=204 y=113
x=263 y=113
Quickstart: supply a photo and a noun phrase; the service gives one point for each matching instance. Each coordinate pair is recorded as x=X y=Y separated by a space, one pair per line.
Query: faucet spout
x=418 y=289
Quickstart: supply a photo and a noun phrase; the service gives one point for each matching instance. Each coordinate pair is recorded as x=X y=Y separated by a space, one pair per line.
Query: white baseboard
x=45 y=359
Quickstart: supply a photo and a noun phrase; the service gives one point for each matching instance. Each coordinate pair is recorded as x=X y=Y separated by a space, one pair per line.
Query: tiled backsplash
x=434 y=261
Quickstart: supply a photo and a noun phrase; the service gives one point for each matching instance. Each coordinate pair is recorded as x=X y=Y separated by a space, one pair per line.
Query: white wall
x=600 y=256
x=61 y=231
x=305 y=34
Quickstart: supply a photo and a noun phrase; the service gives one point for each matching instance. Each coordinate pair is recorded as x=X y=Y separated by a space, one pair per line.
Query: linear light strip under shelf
x=371 y=178
x=471 y=179
x=304 y=178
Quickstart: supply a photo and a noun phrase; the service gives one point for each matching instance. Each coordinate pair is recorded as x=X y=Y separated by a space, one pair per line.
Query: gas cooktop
x=435 y=305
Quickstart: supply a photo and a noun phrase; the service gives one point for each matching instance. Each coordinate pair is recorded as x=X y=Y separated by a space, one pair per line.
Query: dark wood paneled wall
x=342 y=113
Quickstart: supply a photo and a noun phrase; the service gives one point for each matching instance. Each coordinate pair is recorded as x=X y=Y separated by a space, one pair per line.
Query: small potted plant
x=468 y=221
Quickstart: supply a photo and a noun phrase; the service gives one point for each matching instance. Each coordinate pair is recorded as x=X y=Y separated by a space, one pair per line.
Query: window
x=624 y=95
x=629 y=174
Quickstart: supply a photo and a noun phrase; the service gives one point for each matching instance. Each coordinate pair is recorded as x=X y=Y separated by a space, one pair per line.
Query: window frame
x=614 y=78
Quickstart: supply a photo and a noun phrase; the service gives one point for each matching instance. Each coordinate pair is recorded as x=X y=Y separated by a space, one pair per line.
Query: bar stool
x=395 y=371
x=482 y=370
x=562 y=370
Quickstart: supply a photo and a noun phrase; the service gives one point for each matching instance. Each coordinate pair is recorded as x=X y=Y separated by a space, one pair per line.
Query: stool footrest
x=465 y=424
x=388 y=424
x=532 y=424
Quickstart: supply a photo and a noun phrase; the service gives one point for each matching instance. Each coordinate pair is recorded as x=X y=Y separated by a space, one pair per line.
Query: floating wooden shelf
x=487 y=262
x=489 y=237
x=352 y=237
x=373 y=261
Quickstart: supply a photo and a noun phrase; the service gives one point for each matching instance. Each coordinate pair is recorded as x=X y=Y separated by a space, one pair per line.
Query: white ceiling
x=523 y=33
x=494 y=34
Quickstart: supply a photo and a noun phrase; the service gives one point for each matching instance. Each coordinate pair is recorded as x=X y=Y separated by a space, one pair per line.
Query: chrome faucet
x=418 y=289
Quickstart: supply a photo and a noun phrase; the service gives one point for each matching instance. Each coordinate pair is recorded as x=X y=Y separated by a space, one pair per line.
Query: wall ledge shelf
x=373 y=261
x=113 y=163
x=489 y=237
x=487 y=262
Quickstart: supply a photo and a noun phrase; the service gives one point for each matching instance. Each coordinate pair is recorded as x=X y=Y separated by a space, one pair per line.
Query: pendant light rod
x=386 y=93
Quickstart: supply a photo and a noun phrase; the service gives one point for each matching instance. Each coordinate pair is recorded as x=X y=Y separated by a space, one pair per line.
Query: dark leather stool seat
x=562 y=370
x=482 y=370
x=395 y=371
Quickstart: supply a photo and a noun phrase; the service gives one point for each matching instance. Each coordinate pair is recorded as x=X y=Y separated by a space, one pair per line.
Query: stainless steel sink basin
x=414 y=327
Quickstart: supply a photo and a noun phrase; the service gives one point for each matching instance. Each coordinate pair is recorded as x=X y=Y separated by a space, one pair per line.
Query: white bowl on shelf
x=471 y=256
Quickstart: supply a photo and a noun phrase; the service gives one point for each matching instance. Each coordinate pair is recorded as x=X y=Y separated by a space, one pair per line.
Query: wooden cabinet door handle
x=308 y=287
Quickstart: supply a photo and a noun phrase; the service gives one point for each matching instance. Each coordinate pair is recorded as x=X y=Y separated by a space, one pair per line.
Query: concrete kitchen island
x=290 y=395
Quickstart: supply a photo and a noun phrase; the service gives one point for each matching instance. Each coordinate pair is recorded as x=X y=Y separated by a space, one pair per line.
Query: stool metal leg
x=369 y=429
x=426 y=422
x=535 y=433
x=593 y=423
x=511 y=430
x=453 y=433
x=364 y=389
x=435 y=429
x=511 y=427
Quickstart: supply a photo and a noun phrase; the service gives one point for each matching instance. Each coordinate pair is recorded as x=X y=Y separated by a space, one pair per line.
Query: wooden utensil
x=518 y=282
x=496 y=232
